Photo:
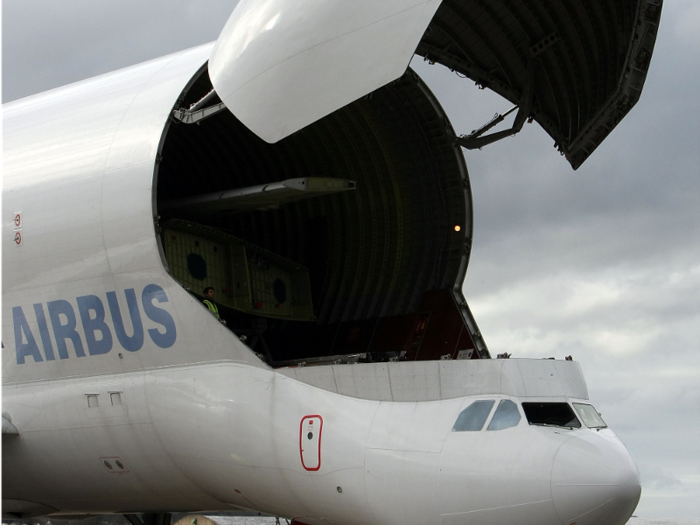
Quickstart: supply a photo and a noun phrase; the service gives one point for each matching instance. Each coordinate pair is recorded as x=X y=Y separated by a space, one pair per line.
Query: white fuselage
x=129 y=396
x=221 y=436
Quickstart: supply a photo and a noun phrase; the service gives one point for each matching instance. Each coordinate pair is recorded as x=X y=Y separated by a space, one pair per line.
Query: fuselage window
x=472 y=418
x=551 y=414
x=589 y=415
x=507 y=415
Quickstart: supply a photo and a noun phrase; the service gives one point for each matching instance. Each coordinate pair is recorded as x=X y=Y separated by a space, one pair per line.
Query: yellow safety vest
x=212 y=308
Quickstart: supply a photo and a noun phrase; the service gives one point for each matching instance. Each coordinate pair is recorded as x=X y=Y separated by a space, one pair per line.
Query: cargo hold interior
x=348 y=238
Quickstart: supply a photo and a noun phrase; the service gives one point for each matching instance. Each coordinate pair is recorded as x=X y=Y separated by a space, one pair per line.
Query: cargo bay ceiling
x=580 y=63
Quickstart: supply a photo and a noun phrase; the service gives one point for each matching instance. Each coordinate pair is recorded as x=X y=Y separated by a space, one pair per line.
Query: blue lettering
x=135 y=342
x=64 y=331
x=44 y=331
x=158 y=315
x=97 y=333
x=22 y=330
x=92 y=325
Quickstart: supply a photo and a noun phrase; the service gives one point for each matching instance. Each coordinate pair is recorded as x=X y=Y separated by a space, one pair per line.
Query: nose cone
x=595 y=480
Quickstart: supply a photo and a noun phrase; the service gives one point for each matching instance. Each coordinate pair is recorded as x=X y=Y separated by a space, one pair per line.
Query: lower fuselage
x=224 y=436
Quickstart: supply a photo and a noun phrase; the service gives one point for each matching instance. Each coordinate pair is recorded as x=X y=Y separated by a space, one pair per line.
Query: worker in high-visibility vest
x=210 y=304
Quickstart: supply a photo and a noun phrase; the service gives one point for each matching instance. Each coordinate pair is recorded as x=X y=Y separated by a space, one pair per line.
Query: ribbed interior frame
x=372 y=252
x=581 y=76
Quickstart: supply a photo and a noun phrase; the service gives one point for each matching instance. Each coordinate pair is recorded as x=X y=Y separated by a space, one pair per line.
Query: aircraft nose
x=595 y=480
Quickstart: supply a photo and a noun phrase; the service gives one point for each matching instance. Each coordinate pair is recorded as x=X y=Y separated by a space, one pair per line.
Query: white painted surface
x=79 y=163
x=280 y=65
x=435 y=380
x=202 y=422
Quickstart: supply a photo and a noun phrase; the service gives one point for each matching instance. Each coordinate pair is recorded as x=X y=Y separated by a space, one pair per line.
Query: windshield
x=506 y=416
x=472 y=418
x=551 y=414
x=589 y=415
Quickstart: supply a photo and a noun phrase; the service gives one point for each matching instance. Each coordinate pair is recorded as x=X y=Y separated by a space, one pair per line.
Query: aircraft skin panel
x=60 y=412
x=84 y=194
x=80 y=158
x=271 y=473
x=281 y=65
x=180 y=435
x=390 y=500
x=574 y=467
x=436 y=380
x=531 y=502
x=89 y=297
x=219 y=435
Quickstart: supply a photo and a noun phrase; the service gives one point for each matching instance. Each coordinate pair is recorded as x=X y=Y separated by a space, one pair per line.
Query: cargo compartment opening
x=348 y=239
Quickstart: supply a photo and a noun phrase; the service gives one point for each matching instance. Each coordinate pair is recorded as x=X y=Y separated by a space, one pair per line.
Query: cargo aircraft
x=301 y=170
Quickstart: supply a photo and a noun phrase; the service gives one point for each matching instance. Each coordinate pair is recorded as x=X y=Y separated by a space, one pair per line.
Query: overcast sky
x=602 y=263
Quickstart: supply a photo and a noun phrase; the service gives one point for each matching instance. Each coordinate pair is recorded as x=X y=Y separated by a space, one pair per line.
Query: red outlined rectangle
x=310 y=429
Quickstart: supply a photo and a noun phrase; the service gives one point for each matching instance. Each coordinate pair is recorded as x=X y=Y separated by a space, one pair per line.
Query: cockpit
x=508 y=414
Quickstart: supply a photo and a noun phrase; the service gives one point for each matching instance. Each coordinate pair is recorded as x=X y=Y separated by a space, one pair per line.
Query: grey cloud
x=39 y=53
x=657 y=478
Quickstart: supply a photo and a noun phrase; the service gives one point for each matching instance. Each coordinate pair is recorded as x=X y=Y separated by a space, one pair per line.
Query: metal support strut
x=475 y=140
x=196 y=113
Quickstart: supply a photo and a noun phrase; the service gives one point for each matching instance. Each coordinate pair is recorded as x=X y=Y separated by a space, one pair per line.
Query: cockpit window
x=551 y=414
x=507 y=415
x=589 y=416
x=472 y=418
